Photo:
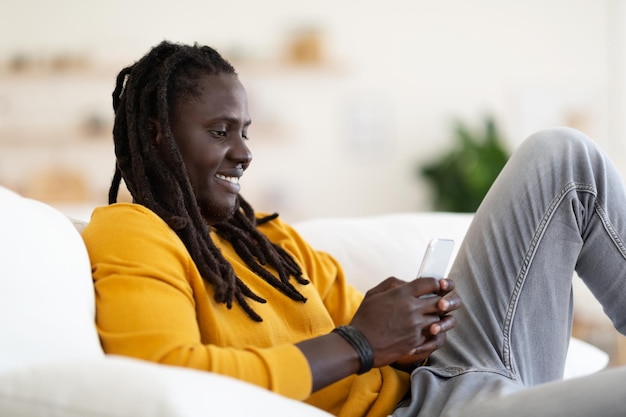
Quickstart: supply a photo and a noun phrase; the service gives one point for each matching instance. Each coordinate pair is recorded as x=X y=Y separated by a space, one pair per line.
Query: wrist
x=330 y=358
x=360 y=344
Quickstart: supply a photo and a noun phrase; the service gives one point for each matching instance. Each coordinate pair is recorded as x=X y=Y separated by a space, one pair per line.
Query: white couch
x=51 y=362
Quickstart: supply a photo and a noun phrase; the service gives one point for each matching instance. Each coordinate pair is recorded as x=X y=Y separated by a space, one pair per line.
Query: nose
x=240 y=152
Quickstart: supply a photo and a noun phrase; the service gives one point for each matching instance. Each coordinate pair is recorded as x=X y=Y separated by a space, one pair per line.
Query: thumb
x=386 y=285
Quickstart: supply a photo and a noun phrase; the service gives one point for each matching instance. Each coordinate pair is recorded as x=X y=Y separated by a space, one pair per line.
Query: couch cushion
x=371 y=248
x=115 y=386
x=46 y=293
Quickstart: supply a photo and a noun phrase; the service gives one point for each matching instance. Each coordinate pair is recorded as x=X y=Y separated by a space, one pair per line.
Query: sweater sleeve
x=146 y=305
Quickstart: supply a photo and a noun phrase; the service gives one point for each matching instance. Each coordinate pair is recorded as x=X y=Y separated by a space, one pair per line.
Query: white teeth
x=234 y=180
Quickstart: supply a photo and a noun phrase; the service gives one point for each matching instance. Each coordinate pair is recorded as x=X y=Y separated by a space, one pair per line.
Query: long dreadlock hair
x=148 y=90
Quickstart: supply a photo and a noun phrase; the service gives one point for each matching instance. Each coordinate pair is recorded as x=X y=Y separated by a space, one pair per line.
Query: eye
x=219 y=133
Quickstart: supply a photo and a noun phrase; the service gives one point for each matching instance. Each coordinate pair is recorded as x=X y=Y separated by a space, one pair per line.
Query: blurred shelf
x=52 y=137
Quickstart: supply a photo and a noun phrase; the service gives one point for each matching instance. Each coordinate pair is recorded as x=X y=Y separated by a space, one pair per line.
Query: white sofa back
x=46 y=296
x=372 y=248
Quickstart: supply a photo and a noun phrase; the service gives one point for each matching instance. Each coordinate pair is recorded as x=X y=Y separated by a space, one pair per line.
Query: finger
x=430 y=345
x=435 y=304
x=447 y=305
x=442 y=326
x=445 y=286
x=423 y=286
x=427 y=307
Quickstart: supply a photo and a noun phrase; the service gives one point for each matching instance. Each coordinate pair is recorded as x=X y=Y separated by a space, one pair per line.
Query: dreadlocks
x=147 y=90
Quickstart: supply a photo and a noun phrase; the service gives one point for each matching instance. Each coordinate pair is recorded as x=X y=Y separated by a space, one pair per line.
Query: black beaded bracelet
x=360 y=344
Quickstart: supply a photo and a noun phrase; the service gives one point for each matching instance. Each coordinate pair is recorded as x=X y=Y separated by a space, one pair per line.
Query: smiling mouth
x=232 y=180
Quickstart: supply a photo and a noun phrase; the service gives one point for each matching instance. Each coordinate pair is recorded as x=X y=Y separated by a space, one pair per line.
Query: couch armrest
x=118 y=387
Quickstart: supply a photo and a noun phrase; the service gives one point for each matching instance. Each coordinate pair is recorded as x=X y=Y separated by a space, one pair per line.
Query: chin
x=213 y=214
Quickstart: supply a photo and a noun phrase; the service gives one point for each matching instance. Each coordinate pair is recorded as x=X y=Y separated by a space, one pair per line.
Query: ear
x=155 y=132
x=157 y=139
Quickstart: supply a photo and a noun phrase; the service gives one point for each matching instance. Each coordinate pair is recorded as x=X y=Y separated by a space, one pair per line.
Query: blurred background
x=350 y=99
x=356 y=104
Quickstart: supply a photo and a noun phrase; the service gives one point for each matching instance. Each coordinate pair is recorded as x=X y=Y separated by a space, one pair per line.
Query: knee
x=558 y=137
x=558 y=142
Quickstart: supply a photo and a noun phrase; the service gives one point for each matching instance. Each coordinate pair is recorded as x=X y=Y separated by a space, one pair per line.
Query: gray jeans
x=558 y=206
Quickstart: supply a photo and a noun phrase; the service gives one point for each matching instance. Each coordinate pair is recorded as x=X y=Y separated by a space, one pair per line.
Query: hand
x=437 y=331
x=402 y=326
x=399 y=325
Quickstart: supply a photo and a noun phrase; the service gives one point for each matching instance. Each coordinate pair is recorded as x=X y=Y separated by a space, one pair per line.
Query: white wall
x=344 y=138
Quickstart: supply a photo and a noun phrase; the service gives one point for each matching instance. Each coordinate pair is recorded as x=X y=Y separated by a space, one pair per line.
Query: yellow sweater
x=153 y=304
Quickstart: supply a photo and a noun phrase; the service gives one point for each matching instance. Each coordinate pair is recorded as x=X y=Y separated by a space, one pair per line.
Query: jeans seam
x=610 y=230
x=530 y=254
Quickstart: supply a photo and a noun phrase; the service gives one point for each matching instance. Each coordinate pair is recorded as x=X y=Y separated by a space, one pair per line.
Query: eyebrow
x=233 y=120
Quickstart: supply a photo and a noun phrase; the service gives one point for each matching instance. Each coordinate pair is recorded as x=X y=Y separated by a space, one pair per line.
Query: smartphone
x=436 y=259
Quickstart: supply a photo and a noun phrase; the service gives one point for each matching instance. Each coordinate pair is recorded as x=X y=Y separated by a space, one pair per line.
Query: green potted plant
x=462 y=176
